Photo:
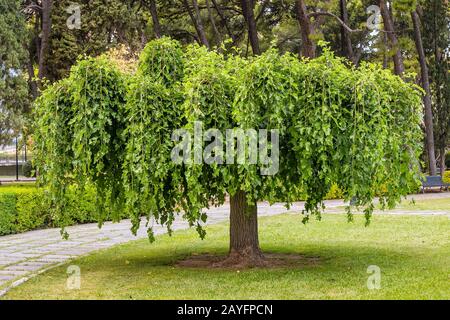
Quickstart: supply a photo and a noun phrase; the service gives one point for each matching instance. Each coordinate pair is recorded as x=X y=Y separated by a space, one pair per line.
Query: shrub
x=28 y=170
x=7 y=213
x=446 y=177
x=24 y=208
x=334 y=193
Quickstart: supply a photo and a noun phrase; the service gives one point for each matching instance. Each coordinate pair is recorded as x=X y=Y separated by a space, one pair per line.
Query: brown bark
x=308 y=49
x=399 y=68
x=442 y=161
x=197 y=21
x=244 y=243
x=45 y=38
x=155 y=19
x=347 y=49
x=31 y=81
x=427 y=98
x=224 y=21
x=213 y=23
x=249 y=16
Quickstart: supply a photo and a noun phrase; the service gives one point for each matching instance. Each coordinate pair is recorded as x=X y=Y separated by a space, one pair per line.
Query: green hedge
x=24 y=208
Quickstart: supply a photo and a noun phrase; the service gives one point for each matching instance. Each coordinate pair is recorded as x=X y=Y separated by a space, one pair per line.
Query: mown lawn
x=426 y=204
x=412 y=252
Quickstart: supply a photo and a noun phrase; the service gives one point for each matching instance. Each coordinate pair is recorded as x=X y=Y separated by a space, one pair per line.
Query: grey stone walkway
x=27 y=254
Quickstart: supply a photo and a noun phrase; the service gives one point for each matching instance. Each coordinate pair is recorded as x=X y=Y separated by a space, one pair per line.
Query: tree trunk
x=224 y=21
x=244 y=243
x=347 y=49
x=427 y=98
x=197 y=21
x=213 y=24
x=31 y=76
x=399 y=68
x=45 y=38
x=308 y=49
x=155 y=19
x=442 y=161
x=249 y=16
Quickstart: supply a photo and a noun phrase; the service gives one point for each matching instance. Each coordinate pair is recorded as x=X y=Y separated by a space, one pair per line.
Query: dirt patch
x=271 y=260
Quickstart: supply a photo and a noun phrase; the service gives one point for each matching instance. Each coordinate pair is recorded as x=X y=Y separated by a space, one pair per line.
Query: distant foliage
x=355 y=132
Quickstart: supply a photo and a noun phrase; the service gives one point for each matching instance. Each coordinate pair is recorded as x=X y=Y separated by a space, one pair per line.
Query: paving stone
x=6 y=277
x=15 y=273
x=22 y=255
x=33 y=263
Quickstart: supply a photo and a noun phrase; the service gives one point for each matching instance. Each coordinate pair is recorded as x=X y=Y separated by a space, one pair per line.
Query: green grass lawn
x=14 y=186
x=413 y=253
x=426 y=204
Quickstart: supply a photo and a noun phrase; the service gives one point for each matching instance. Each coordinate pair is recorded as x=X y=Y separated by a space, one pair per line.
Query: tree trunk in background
x=347 y=49
x=308 y=49
x=31 y=81
x=249 y=16
x=442 y=160
x=385 y=53
x=197 y=21
x=45 y=36
x=224 y=21
x=399 y=68
x=427 y=98
x=201 y=30
x=244 y=243
x=155 y=19
x=213 y=24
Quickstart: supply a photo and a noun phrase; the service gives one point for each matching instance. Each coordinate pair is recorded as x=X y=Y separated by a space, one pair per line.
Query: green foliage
x=162 y=60
x=14 y=97
x=353 y=130
x=446 y=177
x=78 y=133
x=209 y=88
x=24 y=208
x=28 y=170
x=7 y=215
x=152 y=181
x=103 y=25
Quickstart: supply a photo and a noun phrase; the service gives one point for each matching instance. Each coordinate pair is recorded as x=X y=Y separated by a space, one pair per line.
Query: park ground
x=329 y=259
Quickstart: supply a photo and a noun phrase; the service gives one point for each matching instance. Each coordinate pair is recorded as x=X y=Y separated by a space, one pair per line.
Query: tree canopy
x=358 y=128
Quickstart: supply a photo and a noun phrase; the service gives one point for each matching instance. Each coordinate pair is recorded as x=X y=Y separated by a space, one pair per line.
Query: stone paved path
x=27 y=254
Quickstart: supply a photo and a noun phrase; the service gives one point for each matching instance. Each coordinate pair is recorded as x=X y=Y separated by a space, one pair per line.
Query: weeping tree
x=177 y=137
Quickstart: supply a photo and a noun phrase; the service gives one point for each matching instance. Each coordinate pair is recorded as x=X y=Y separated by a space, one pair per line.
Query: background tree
x=14 y=98
x=436 y=21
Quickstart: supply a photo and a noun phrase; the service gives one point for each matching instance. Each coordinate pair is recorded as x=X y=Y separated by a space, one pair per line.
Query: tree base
x=246 y=258
x=239 y=261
